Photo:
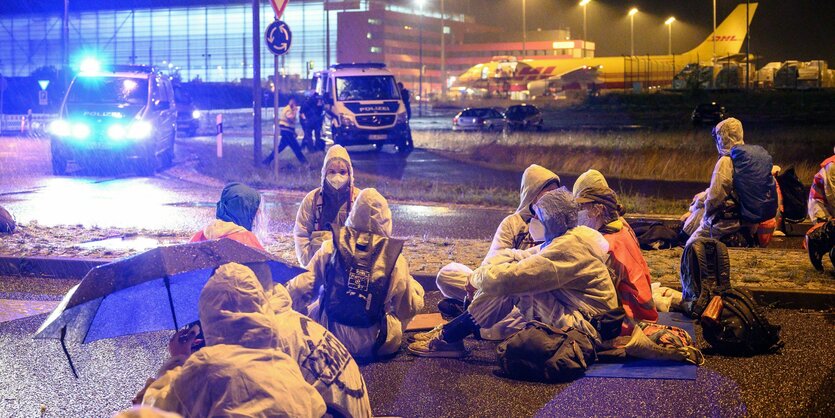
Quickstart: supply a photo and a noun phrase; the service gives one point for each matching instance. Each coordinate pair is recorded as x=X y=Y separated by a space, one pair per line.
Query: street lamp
x=669 y=23
x=584 y=3
x=632 y=12
x=524 y=29
x=420 y=4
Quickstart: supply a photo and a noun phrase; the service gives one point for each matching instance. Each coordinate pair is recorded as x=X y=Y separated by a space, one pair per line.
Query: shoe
x=426 y=336
x=437 y=347
x=450 y=308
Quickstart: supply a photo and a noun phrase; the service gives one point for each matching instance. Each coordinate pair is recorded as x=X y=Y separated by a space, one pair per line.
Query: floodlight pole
x=256 y=82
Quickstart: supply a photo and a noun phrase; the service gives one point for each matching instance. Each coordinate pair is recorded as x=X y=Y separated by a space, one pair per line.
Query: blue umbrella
x=152 y=291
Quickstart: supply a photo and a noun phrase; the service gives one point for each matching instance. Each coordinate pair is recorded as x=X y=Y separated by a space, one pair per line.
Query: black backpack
x=7 y=222
x=705 y=271
x=542 y=353
x=358 y=278
x=740 y=328
x=794 y=196
x=754 y=186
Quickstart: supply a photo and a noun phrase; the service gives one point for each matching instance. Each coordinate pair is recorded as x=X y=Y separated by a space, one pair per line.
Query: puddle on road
x=131 y=242
x=192 y=204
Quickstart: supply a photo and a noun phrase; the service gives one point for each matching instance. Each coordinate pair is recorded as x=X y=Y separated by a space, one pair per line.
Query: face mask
x=337 y=181
x=537 y=230
x=583 y=218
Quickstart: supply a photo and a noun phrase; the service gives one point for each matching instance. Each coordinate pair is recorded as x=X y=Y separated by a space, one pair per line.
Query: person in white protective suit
x=821 y=203
x=241 y=371
x=563 y=282
x=370 y=214
x=717 y=198
x=515 y=233
x=327 y=204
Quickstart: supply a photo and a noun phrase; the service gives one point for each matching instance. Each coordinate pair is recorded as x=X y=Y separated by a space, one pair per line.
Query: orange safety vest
x=632 y=277
x=244 y=237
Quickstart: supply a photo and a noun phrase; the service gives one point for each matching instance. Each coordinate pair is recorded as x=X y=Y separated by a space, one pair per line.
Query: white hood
x=338 y=152
x=370 y=213
x=534 y=179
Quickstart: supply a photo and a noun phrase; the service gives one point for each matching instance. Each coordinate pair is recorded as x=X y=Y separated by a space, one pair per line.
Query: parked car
x=188 y=116
x=523 y=116
x=478 y=119
x=708 y=113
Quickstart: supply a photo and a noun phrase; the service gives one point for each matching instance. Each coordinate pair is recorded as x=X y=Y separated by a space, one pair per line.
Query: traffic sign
x=43 y=98
x=278 y=37
x=43 y=83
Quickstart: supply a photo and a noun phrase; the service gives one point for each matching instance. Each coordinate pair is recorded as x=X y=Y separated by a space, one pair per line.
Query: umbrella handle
x=167 y=282
x=66 y=352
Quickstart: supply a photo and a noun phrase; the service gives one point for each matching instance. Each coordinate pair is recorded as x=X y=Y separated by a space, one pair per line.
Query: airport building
x=211 y=40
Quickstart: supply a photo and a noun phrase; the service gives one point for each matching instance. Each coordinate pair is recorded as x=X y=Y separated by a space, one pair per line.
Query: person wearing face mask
x=236 y=213
x=519 y=231
x=601 y=211
x=562 y=282
x=328 y=204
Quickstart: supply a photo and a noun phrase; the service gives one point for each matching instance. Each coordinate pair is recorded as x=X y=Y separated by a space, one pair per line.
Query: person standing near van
x=311 y=118
x=406 y=95
x=287 y=126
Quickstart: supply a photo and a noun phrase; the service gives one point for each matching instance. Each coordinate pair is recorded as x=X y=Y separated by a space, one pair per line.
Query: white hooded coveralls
x=305 y=236
x=452 y=278
x=564 y=283
x=821 y=203
x=240 y=372
x=405 y=297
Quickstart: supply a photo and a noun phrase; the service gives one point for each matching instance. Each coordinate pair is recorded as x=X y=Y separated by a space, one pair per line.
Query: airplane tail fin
x=729 y=35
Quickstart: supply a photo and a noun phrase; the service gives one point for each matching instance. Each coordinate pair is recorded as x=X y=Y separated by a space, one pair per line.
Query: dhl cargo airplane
x=506 y=74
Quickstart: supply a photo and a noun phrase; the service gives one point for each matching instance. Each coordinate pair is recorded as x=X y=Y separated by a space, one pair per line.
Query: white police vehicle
x=363 y=106
x=121 y=113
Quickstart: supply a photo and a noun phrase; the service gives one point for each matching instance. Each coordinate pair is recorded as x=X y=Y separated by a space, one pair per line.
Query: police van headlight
x=116 y=131
x=139 y=130
x=60 y=127
x=402 y=118
x=347 y=120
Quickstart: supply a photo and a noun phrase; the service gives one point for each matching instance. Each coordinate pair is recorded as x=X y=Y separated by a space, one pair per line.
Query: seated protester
x=236 y=212
x=821 y=202
x=240 y=371
x=513 y=233
x=364 y=258
x=328 y=204
x=742 y=194
x=325 y=362
x=562 y=282
x=600 y=210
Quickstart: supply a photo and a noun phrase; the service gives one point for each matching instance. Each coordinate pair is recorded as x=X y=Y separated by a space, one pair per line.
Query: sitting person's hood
x=370 y=213
x=534 y=179
x=238 y=204
x=280 y=300
x=220 y=229
x=727 y=134
x=592 y=187
x=234 y=309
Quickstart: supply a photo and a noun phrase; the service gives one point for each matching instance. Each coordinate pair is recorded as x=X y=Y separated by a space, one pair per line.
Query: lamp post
x=632 y=12
x=669 y=23
x=420 y=4
x=524 y=29
x=584 y=3
x=714 y=32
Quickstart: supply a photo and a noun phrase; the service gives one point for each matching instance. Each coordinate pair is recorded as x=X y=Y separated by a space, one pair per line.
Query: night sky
x=781 y=29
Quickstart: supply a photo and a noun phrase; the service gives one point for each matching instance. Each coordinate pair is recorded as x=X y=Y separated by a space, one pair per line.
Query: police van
x=363 y=106
x=121 y=113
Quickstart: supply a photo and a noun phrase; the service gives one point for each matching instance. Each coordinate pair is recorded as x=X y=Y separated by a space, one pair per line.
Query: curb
x=76 y=268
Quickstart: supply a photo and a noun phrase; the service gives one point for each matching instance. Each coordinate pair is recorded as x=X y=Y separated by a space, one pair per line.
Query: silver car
x=479 y=119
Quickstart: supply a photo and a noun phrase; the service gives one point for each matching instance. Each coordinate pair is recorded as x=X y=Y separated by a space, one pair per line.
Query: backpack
x=794 y=196
x=540 y=352
x=755 y=187
x=358 y=278
x=735 y=324
x=705 y=270
x=7 y=222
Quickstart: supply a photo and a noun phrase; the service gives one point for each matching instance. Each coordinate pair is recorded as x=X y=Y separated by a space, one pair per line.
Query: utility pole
x=443 y=51
x=256 y=81
x=524 y=29
x=714 y=32
x=65 y=38
x=327 y=35
x=747 y=44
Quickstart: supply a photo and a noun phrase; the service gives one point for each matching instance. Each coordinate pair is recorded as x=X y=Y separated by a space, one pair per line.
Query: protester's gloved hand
x=180 y=344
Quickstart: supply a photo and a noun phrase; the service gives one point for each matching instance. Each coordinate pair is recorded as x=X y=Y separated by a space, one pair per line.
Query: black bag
x=7 y=222
x=755 y=188
x=794 y=196
x=741 y=328
x=653 y=235
x=542 y=353
x=358 y=277
x=705 y=271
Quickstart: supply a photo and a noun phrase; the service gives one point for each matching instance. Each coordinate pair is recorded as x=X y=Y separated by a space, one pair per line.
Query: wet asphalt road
x=797 y=382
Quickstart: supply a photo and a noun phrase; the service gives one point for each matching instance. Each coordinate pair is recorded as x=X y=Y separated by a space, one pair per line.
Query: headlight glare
x=60 y=127
x=195 y=114
x=80 y=130
x=116 y=131
x=139 y=130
